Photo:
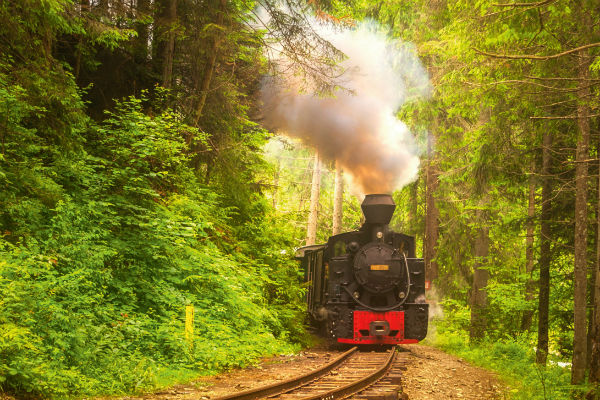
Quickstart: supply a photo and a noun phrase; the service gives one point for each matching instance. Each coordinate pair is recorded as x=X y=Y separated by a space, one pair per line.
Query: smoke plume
x=358 y=126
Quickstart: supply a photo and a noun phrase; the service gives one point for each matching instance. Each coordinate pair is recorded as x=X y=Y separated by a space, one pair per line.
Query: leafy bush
x=107 y=230
x=92 y=301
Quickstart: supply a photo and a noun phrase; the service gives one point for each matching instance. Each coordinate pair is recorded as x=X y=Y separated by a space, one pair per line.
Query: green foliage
x=291 y=177
x=93 y=302
x=110 y=227
x=513 y=359
x=117 y=212
x=112 y=38
x=486 y=121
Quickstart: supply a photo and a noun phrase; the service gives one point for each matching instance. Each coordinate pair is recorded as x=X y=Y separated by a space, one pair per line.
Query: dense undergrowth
x=107 y=233
x=512 y=357
x=118 y=211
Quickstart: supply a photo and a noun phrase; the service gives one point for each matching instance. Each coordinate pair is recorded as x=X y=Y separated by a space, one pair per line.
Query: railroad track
x=353 y=374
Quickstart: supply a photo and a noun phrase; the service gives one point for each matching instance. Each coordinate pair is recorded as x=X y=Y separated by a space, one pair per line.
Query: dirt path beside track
x=430 y=375
x=435 y=375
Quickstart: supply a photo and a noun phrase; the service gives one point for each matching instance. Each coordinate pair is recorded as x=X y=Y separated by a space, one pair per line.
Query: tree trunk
x=591 y=329
x=581 y=216
x=160 y=35
x=594 y=377
x=211 y=64
x=414 y=207
x=205 y=85
x=311 y=231
x=143 y=32
x=544 y=284
x=169 y=49
x=102 y=7
x=84 y=9
x=480 y=279
x=431 y=216
x=338 y=199
x=530 y=285
x=276 y=183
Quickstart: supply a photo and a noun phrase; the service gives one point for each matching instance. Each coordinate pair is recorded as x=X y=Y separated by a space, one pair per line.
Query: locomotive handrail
x=407 y=279
x=389 y=308
x=282 y=387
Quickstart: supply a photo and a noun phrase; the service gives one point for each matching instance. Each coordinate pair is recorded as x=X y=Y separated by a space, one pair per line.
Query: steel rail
x=357 y=385
x=287 y=385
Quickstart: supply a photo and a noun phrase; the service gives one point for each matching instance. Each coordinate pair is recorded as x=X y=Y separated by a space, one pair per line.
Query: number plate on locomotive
x=379 y=267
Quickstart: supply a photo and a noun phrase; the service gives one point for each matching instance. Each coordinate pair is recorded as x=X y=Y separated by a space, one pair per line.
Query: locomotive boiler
x=367 y=286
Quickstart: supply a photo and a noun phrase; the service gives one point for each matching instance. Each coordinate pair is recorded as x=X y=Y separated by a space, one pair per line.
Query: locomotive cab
x=366 y=286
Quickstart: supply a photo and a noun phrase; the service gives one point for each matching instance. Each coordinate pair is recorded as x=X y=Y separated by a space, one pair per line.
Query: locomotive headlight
x=401 y=295
x=379 y=235
x=356 y=295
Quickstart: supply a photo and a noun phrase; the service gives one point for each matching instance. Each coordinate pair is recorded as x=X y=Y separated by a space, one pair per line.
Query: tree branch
x=534 y=57
x=520 y=81
x=566 y=117
x=559 y=78
x=538 y=4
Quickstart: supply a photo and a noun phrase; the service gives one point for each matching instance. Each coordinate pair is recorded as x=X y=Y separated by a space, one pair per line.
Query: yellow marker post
x=189 y=324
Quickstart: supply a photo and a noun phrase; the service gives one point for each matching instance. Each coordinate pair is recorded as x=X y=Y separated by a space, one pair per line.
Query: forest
x=163 y=154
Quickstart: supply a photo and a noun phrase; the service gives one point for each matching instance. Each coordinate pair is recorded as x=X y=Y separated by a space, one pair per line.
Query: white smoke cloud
x=358 y=126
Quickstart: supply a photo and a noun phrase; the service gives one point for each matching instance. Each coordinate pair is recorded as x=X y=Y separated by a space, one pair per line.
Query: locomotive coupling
x=379 y=328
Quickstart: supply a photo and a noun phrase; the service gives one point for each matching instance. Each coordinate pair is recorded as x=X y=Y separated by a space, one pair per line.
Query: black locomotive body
x=367 y=286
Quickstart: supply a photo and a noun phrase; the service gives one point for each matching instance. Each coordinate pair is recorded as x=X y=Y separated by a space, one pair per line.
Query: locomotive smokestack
x=378 y=208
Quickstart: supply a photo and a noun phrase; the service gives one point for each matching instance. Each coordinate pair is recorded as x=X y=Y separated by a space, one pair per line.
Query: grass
x=514 y=361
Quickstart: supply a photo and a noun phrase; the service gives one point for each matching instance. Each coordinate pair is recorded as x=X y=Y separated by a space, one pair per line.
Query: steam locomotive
x=367 y=286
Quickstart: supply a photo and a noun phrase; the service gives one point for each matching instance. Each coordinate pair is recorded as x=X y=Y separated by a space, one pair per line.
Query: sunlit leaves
x=92 y=300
